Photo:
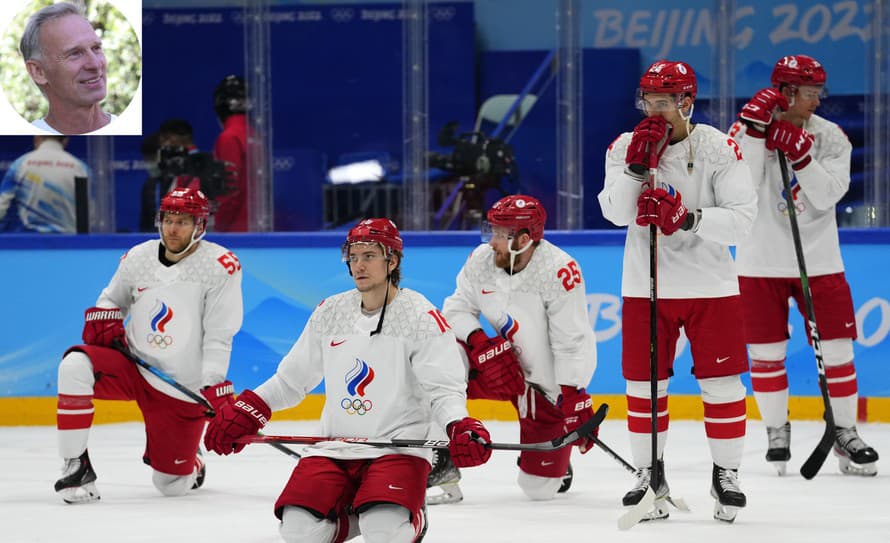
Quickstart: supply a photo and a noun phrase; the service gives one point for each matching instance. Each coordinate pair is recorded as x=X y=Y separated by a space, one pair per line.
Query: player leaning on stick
x=782 y=117
x=704 y=202
x=544 y=354
x=182 y=297
x=392 y=369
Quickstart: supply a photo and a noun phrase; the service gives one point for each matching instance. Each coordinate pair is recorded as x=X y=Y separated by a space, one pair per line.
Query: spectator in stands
x=817 y=153
x=230 y=105
x=37 y=193
x=64 y=57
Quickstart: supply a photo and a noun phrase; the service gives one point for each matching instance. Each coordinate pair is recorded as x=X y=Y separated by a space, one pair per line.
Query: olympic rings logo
x=800 y=207
x=356 y=406
x=158 y=341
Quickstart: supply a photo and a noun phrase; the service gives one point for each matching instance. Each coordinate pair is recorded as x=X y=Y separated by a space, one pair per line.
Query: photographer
x=182 y=165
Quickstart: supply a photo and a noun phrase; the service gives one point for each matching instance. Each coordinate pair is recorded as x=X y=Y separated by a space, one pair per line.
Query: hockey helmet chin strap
x=196 y=237
x=688 y=120
x=514 y=253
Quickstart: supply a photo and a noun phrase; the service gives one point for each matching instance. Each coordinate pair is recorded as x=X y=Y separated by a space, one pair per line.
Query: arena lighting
x=356 y=172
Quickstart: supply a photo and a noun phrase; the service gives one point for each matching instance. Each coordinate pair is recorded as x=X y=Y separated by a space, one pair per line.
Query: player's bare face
x=502 y=240
x=368 y=265
x=177 y=231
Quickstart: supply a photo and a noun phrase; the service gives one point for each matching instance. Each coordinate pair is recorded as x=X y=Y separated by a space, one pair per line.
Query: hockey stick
x=811 y=467
x=584 y=430
x=209 y=411
x=638 y=511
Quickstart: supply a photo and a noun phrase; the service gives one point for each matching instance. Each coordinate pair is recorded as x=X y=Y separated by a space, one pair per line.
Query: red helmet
x=517 y=212
x=187 y=201
x=669 y=77
x=382 y=231
x=798 y=70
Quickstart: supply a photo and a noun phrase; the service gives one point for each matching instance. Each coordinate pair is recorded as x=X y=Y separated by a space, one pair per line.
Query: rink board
x=51 y=279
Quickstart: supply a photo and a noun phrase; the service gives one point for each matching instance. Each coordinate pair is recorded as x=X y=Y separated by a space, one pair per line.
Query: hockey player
x=543 y=355
x=703 y=202
x=818 y=152
x=392 y=369
x=182 y=300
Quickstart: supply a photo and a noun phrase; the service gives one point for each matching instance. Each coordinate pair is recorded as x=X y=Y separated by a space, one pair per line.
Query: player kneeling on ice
x=543 y=355
x=690 y=182
x=182 y=300
x=392 y=369
x=781 y=118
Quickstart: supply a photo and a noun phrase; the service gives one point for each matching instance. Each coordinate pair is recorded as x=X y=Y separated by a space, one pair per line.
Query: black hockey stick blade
x=584 y=430
x=811 y=467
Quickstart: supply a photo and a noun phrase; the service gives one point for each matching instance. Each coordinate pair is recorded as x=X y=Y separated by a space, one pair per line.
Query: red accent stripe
x=725 y=430
x=69 y=401
x=773 y=383
x=800 y=165
x=74 y=422
x=842 y=389
x=643 y=425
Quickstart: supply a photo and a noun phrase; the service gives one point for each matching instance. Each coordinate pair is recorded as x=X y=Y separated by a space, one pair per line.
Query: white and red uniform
x=697 y=285
x=405 y=382
x=542 y=311
x=769 y=273
x=181 y=319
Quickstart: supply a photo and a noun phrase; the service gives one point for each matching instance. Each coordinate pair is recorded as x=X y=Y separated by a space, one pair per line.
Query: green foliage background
x=119 y=41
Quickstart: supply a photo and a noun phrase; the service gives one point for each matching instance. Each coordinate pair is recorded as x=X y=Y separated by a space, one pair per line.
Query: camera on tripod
x=486 y=161
x=175 y=161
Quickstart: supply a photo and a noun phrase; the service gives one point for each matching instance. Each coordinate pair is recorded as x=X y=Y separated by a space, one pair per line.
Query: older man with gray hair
x=65 y=60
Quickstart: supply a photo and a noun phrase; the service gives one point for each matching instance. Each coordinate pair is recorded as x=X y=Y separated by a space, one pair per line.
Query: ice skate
x=779 y=449
x=659 y=509
x=77 y=484
x=725 y=489
x=854 y=456
x=566 y=480
x=446 y=476
x=200 y=470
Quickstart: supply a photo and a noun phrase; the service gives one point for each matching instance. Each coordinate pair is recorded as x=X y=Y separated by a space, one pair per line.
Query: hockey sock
x=725 y=419
x=840 y=373
x=74 y=411
x=639 y=420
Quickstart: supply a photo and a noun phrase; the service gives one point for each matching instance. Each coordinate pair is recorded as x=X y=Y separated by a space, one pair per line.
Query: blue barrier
x=51 y=279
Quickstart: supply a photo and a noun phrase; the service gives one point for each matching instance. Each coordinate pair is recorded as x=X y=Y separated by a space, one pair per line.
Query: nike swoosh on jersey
x=178 y=461
x=547 y=463
x=849 y=324
x=722 y=360
x=336 y=343
x=484 y=291
x=394 y=487
x=140 y=289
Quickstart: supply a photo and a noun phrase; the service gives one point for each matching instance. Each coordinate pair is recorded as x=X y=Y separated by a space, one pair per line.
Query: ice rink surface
x=235 y=504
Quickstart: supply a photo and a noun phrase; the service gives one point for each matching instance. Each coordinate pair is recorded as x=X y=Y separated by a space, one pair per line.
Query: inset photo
x=71 y=67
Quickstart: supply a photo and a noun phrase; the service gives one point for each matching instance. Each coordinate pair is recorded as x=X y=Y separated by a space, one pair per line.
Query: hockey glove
x=663 y=209
x=495 y=373
x=793 y=141
x=758 y=112
x=219 y=395
x=104 y=327
x=246 y=416
x=651 y=131
x=577 y=407
x=468 y=442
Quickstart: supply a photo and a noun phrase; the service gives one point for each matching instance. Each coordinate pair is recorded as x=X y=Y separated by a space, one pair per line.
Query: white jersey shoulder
x=211 y=264
x=410 y=315
x=830 y=137
x=543 y=275
x=712 y=146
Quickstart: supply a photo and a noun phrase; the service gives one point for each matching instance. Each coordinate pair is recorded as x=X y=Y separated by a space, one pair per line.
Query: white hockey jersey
x=180 y=319
x=816 y=189
x=405 y=382
x=690 y=264
x=542 y=311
